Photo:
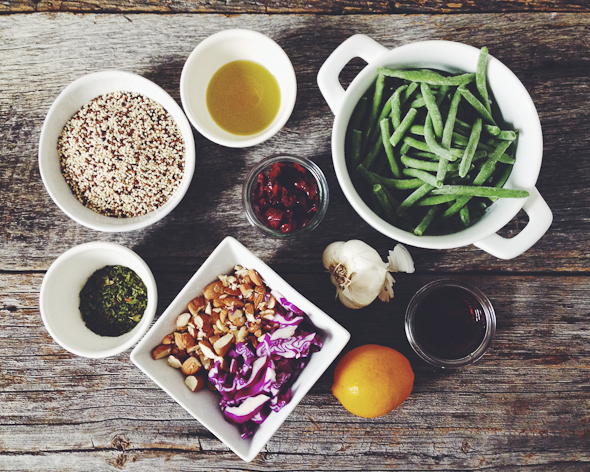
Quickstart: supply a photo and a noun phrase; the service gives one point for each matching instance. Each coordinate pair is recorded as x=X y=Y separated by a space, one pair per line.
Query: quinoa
x=122 y=155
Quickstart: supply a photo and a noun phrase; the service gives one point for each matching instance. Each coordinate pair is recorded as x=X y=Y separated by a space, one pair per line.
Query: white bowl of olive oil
x=238 y=88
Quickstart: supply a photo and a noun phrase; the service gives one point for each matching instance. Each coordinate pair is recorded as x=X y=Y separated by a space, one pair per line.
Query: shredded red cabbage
x=259 y=380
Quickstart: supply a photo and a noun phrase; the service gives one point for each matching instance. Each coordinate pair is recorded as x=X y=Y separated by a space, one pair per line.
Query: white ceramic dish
x=204 y=405
x=220 y=49
x=69 y=101
x=517 y=109
x=60 y=298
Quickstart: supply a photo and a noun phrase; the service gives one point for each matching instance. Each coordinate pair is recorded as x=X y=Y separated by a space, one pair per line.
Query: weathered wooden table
x=524 y=406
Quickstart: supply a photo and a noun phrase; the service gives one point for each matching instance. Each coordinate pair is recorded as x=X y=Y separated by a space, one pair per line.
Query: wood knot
x=120 y=443
x=465 y=446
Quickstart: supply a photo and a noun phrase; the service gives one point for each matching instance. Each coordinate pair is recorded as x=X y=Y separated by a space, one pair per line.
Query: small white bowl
x=69 y=101
x=212 y=54
x=204 y=405
x=60 y=298
x=517 y=109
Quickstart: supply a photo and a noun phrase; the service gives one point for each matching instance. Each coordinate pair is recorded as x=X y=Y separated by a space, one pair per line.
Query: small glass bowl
x=263 y=167
x=474 y=293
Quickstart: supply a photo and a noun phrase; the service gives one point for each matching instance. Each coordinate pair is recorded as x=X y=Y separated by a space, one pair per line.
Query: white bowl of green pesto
x=98 y=299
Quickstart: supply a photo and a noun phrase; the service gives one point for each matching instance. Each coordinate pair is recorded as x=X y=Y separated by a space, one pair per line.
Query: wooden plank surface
x=330 y=7
x=524 y=406
x=43 y=53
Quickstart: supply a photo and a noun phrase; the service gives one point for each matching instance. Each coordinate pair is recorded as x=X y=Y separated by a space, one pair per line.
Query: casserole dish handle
x=540 y=218
x=358 y=45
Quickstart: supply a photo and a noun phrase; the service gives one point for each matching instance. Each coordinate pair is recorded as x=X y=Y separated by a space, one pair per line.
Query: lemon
x=372 y=380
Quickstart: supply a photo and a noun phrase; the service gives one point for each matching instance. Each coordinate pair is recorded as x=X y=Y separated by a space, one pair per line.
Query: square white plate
x=204 y=405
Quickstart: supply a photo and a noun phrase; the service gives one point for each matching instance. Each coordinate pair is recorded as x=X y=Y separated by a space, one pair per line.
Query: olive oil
x=243 y=97
x=450 y=323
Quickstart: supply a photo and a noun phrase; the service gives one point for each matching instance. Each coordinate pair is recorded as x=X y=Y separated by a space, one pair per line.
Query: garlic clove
x=331 y=253
x=400 y=260
x=365 y=287
x=386 y=292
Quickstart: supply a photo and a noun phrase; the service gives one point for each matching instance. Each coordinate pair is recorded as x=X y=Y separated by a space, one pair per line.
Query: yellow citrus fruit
x=372 y=380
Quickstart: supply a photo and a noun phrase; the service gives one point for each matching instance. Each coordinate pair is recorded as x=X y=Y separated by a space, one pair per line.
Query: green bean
x=385 y=111
x=431 y=142
x=418 y=102
x=385 y=135
x=385 y=203
x=377 y=97
x=419 y=163
x=443 y=163
x=451 y=119
x=399 y=184
x=433 y=111
x=501 y=179
x=425 y=154
x=358 y=114
x=460 y=140
x=464 y=216
x=414 y=197
x=376 y=206
x=453 y=209
x=405 y=148
x=491 y=130
x=506 y=135
x=442 y=93
x=424 y=176
x=372 y=154
x=479 y=154
x=355 y=153
x=490 y=164
x=396 y=104
x=480 y=78
x=503 y=176
x=419 y=230
x=465 y=127
x=403 y=127
x=476 y=104
x=369 y=176
x=504 y=158
x=409 y=91
x=428 y=76
x=477 y=191
x=417 y=129
x=436 y=200
x=416 y=144
x=471 y=146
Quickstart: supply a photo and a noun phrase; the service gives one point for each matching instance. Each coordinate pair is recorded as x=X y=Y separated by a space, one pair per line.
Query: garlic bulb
x=359 y=273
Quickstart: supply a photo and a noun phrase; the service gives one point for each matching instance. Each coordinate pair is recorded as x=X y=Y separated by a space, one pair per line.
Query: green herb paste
x=113 y=301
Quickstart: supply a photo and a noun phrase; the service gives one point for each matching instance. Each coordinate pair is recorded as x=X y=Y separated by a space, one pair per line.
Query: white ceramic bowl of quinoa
x=162 y=157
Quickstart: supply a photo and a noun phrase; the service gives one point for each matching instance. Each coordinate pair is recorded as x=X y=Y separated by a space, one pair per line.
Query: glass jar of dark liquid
x=450 y=323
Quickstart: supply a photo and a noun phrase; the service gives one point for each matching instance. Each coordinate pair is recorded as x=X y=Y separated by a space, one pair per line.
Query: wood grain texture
x=329 y=7
x=42 y=53
x=524 y=407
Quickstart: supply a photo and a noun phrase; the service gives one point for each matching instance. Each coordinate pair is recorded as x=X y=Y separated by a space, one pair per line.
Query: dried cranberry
x=288 y=227
x=274 y=217
x=275 y=171
x=286 y=196
x=300 y=168
x=303 y=186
